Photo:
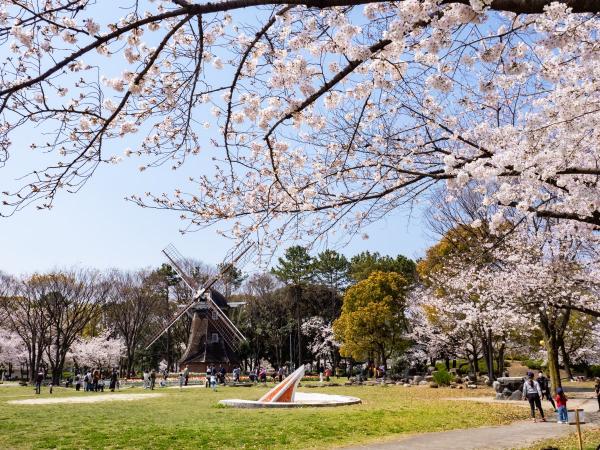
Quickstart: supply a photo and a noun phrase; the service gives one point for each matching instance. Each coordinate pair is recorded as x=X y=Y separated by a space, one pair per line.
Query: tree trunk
x=490 y=352
x=298 y=295
x=566 y=360
x=500 y=360
x=552 y=350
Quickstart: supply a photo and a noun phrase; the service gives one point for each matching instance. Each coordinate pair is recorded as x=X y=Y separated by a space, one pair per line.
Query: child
x=561 y=405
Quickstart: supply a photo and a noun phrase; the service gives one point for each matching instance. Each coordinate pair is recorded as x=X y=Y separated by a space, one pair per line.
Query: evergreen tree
x=365 y=263
x=296 y=269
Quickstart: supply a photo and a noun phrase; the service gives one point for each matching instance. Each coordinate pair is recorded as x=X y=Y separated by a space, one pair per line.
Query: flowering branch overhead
x=324 y=112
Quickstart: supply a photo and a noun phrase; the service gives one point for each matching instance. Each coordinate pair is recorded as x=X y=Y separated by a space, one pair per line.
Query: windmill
x=214 y=339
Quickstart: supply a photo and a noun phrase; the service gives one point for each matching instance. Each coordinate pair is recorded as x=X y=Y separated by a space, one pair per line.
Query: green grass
x=192 y=419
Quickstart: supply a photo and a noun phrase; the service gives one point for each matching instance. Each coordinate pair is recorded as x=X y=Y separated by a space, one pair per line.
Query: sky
x=97 y=228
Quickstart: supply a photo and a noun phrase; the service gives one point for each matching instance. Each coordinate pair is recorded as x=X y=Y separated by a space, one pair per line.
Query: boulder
x=430 y=369
x=423 y=383
x=406 y=385
x=433 y=385
x=506 y=393
x=417 y=379
x=471 y=386
x=512 y=383
x=429 y=378
x=497 y=387
x=499 y=396
x=517 y=395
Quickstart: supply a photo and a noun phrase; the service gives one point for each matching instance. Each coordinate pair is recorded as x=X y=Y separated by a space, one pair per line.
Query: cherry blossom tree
x=12 y=351
x=322 y=343
x=328 y=114
x=533 y=280
x=102 y=351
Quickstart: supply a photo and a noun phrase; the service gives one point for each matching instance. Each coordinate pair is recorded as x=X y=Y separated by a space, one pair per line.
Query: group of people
x=536 y=390
x=96 y=380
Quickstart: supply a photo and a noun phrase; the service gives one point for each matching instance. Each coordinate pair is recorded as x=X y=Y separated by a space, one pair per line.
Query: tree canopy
x=327 y=114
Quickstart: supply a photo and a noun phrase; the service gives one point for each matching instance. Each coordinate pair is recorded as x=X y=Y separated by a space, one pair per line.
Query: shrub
x=533 y=364
x=593 y=371
x=442 y=378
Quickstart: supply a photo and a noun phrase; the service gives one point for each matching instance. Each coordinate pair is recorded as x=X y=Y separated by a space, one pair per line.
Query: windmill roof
x=219 y=298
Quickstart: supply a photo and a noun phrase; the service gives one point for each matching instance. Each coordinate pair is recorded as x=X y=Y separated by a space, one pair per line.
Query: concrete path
x=84 y=399
x=517 y=435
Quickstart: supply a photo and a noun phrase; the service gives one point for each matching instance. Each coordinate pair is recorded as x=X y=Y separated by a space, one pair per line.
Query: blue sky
x=98 y=228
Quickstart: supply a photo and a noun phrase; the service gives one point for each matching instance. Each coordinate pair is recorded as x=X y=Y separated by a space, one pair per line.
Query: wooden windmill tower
x=214 y=339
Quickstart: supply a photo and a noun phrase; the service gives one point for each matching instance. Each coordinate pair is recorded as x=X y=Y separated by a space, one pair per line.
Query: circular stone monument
x=284 y=395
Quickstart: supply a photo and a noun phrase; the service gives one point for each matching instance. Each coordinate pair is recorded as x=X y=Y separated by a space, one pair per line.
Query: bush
x=593 y=371
x=442 y=378
x=533 y=364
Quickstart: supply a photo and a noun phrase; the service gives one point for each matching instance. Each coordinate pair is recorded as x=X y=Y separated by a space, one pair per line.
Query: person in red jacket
x=561 y=406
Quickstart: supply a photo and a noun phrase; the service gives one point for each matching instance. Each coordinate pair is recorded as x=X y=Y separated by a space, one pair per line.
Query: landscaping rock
x=497 y=386
x=471 y=386
x=433 y=385
x=517 y=395
x=423 y=383
x=406 y=385
x=499 y=396
x=417 y=379
x=429 y=378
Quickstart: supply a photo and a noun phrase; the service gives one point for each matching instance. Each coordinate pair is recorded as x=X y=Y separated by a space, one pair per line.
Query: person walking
x=77 y=382
x=186 y=374
x=113 y=380
x=561 y=403
x=152 y=379
x=597 y=390
x=96 y=380
x=544 y=383
x=533 y=394
x=181 y=380
x=146 y=379
x=39 y=378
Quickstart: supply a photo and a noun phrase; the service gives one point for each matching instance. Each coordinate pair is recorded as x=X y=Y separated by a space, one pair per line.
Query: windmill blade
x=172 y=322
x=179 y=263
x=239 y=253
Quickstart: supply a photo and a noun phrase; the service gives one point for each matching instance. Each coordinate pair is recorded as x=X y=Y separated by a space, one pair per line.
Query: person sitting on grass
x=533 y=393
x=561 y=403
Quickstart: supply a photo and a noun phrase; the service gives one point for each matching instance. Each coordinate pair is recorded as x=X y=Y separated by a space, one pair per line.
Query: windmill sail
x=222 y=323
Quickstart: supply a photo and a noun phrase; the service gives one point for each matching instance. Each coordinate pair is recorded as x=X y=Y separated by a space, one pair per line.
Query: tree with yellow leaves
x=373 y=320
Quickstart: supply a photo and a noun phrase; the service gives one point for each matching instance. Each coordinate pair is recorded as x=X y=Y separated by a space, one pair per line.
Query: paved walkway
x=516 y=435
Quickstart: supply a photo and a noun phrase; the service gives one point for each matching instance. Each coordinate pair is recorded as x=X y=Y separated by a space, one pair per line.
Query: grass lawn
x=191 y=418
x=591 y=441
